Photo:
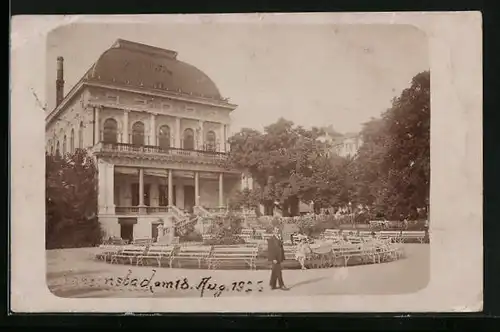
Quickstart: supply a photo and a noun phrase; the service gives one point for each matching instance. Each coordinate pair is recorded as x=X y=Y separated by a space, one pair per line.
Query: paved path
x=73 y=273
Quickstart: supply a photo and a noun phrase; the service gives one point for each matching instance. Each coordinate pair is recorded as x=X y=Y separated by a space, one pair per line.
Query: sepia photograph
x=168 y=162
x=237 y=160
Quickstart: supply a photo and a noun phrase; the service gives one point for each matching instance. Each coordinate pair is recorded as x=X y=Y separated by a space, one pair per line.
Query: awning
x=184 y=174
x=126 y=170
x=156 y=172
x=127 y=221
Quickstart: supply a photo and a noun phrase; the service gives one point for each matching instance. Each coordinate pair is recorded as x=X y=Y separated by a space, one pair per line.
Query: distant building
x=346 y=145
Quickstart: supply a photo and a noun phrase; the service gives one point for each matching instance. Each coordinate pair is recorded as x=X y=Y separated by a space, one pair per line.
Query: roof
x=138 y=65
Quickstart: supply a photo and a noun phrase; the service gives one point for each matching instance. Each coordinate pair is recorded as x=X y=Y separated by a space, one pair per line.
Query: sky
x=313 y=75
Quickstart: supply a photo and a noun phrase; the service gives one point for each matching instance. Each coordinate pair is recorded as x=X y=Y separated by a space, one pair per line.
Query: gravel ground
x=74 y=273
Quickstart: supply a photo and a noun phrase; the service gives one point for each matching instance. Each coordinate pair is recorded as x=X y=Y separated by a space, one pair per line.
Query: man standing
x=276 y=255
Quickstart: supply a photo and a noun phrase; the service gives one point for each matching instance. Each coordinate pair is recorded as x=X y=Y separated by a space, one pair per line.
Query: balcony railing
x=217 y=210
x=140 y=210
x=150 y=149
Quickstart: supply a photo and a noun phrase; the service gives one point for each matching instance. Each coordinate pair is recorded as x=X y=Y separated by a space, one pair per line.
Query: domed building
x=158 y=128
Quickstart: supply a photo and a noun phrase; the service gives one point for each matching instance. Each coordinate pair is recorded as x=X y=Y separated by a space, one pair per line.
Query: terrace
x=128 y=148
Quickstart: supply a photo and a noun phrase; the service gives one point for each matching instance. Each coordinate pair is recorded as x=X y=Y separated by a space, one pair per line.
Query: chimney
x=60 y=80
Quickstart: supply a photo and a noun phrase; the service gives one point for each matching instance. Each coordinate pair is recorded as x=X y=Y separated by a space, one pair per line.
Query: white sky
x=314 y=75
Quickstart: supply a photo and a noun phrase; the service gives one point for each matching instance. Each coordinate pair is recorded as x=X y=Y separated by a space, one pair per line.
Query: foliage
x=289 y=163
x=390 y=173
x=225 y=229
x=71 y=201
x=246 y=198
x=191 y=236
x=392 y=170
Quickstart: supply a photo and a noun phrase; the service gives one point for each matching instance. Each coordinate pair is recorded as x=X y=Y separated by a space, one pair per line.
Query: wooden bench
x=246 y=237
x=290 y=252
x=266 y=236
x=354 y=239
x=107 y=250
x=233 y=256
x=394 y=236
x=189 y=254
x=413 y=235
x=142 y=241
x=330 y=234
x=115 y=241
x=365 y=234
x=346 y=252
x=206 y=237
x=156 y=253
x=129 y=253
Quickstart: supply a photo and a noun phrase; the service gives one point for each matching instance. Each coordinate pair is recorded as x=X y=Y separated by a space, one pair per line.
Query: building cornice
x=58 y=109
x=170 y=95
x=165 y=94
x=162 y=162
x=154 y=111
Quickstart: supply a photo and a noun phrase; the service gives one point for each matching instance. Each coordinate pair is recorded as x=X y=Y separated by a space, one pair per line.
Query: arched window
x=110 y=131
x=80 y=136
x=64 y=145
x=138 y=133
x=210 y=145
x=188 y=142
x=164 y=137
x=72 y=141
x=58 y=151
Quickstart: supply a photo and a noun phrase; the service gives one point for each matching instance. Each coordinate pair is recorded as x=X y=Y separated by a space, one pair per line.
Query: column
x=152 y=131
x=222 y=140
x=97 y=127
x=155 y=194
x=202 y=135
x=125 y=127
x=196 y=188
x=110 y=186
x=226 y=137
x=101 y=186
x=178 y=133
x=221 y=189
x=243 y=185
x=141 y=187
x=170 y=189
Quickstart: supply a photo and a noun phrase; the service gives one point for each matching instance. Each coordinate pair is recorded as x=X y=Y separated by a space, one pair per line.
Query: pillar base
x=143 y=209
x=109 y=226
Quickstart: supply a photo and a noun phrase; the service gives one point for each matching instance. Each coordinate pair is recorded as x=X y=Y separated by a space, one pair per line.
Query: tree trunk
x=268 y=208
x=317 y=208
x=285 y=208
x=294 y=205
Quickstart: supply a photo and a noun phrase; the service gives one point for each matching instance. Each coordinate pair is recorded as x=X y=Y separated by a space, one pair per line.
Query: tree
x=246 y=198
x=392 y=171
x=71 y=201
x=281 y=161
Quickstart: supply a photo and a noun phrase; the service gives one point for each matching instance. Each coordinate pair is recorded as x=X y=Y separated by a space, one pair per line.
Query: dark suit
x=275 y=252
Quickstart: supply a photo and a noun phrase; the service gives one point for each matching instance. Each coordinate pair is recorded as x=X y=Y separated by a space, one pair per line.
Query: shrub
x=193 y=236
x=225 y=229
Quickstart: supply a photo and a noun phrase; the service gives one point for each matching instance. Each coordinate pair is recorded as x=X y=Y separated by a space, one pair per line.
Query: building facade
x=346 y=145
x=158 y=129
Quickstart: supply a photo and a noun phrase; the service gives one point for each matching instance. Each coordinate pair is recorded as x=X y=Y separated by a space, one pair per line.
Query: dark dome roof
x=145 y=66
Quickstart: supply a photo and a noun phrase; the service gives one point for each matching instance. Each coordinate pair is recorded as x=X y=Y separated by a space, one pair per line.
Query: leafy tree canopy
x=71 y=201
x=392 y=171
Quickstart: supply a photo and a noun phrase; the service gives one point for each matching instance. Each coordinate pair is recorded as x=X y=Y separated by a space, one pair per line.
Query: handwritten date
x=203 y=286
